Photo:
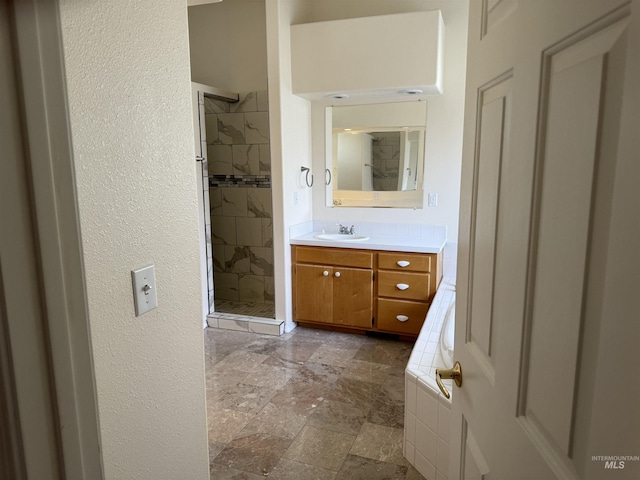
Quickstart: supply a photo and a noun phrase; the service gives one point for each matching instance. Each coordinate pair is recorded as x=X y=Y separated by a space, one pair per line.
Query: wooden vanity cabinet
x=364 y=289
x=333 y=286
x=406 y=287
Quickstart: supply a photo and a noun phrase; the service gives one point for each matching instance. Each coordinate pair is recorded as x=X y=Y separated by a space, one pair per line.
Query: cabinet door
x=352 y=297
x=313 y=293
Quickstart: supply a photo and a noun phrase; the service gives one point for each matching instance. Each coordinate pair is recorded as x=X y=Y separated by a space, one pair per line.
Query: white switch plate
x=144 y=289
x=433 y=200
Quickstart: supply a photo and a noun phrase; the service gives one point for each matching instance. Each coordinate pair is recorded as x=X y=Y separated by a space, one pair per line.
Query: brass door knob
x=455 y=373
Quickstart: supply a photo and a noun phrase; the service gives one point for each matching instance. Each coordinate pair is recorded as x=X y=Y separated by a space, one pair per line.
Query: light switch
x=144 y=289
x=433 y=200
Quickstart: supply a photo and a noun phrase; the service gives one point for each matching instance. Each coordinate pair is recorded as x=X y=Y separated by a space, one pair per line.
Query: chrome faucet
x=344 y=230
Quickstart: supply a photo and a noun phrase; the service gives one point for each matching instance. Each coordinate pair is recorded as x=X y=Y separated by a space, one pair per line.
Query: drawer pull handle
x=402 y=286
x=337 y=274
x=403 y=263
x=325 y=273
x=402 y=318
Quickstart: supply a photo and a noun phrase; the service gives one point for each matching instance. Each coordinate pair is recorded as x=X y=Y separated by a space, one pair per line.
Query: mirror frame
x=412 y=199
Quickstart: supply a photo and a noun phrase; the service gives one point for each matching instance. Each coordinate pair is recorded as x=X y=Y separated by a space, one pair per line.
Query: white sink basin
x=341 y=237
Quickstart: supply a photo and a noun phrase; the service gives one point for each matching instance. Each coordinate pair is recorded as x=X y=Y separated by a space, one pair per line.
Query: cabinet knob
x=402 y=318
x=403 y=263
x=325 y=273
x=337 y=274
x=402 y=286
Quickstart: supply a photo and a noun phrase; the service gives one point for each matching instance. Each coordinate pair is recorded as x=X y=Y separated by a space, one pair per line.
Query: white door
x=547 y=330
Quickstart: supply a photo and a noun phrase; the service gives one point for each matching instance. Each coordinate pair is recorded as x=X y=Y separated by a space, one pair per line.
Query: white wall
x=444 y=118
x=289 y=123
x=227 y=45
x=129 y=94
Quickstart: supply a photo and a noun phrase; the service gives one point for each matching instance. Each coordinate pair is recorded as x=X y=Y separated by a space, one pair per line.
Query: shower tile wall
x=239 y=168
x=385 y=154
x=201 y=151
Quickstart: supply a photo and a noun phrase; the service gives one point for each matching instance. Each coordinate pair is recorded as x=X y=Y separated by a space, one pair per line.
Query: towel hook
x=306 y=178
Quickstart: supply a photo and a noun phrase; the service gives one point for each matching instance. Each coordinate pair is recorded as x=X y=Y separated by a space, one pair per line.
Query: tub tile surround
x=428 y=412
x=239 y=178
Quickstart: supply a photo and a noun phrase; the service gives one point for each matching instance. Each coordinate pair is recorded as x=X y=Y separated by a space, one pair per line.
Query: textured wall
x=129 y=93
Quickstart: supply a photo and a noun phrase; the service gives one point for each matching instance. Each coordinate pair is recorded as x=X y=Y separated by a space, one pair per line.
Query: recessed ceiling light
x=338 y=96
x=412 y=91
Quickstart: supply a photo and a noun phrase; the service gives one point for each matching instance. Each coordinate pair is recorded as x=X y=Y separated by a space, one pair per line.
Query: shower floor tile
x=318 y=405
x=263 y=310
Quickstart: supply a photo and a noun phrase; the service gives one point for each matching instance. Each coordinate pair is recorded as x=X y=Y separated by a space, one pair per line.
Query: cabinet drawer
x=408 y=286
x=412 y=262
x=334 y=256
x=401 y=316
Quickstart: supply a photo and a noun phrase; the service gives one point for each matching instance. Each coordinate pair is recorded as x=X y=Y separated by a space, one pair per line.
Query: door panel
x=475 y=465
x=493 y=134
x=495 y=12
x=552 y=101
x=573 y=104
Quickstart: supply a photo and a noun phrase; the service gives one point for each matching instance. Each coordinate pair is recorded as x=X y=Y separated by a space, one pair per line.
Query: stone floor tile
x=225 y=424
x=246 y=398
x=413 y=474
x=380 y=442
x=317 y=373
x=361 y=468
x=221 y=378
x=338 y=416
x=388 y=405
x=385 y=352
x=278 y=420
x=355 y=392
x=220 y=472
x=292 y=470
x=301 y=396
x=257 y=453
x=319 y=447
x=215 y=448
x=366 y=371
x=333 y=355
x=241 y=360
x=268 y=376
x=308 y=405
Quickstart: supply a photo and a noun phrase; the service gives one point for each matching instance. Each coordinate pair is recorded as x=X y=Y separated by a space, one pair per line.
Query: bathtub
x=446 y=336
x=427 y=410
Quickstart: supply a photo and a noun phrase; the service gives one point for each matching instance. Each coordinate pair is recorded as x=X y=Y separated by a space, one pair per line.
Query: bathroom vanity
x=353 y=287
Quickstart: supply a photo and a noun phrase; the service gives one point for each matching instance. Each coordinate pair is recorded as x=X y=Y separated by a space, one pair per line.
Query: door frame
x=50 y=176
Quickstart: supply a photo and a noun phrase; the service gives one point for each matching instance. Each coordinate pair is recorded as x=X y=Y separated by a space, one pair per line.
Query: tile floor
x=264 y=310
x=308 y=405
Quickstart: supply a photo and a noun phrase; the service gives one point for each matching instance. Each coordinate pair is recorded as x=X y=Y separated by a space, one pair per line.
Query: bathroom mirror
x=375 y=154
